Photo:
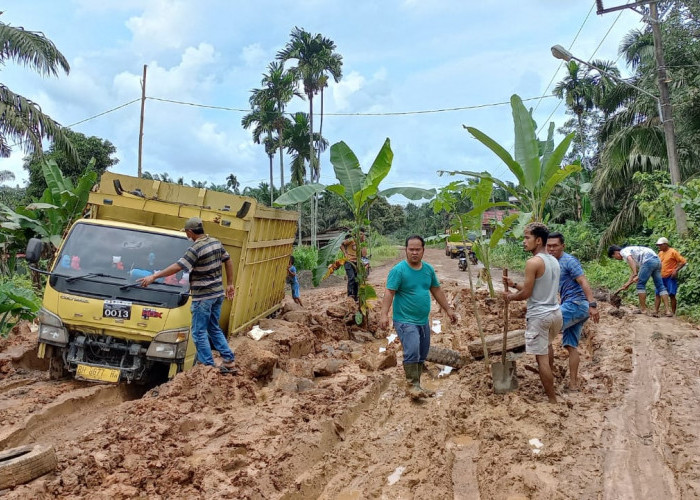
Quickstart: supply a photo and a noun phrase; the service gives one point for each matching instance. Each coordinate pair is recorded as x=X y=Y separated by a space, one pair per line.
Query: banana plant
x=359 y=190
x=450 y=196
x=48 y=217
x=536 y=166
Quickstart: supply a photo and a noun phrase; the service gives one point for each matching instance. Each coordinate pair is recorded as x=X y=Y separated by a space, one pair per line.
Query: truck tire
x=57 y=368
x=24 y=463
x=447 y=357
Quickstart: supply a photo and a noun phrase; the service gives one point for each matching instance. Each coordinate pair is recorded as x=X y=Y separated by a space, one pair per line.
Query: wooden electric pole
x=143 y=108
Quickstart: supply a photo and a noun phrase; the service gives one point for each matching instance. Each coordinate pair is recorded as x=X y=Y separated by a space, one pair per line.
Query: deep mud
x=319 y=412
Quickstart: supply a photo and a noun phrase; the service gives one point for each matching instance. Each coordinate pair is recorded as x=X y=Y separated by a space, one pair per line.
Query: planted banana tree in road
x=359 y=190
x=536 y=166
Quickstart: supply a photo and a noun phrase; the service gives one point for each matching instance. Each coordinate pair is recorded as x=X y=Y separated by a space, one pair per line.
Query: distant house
x=323 y=238
x=493 y=216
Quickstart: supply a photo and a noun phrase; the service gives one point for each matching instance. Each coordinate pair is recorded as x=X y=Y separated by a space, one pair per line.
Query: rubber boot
x=428 y=393
x=412 y=371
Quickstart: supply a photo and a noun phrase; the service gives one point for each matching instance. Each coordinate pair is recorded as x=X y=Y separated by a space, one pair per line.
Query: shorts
x=540 y=331
x=574 y=314
x=671 y=285
x=295 y=290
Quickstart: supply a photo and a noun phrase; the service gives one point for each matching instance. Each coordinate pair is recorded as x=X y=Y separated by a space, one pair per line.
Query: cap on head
x=193 y=224
x=662 y=241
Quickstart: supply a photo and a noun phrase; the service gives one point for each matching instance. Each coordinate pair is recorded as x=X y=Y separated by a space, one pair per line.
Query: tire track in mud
x=35 y=409
x=649 y=434
x=395 y=449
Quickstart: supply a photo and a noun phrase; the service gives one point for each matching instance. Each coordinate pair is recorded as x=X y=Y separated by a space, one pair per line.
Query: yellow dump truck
x=99 y=324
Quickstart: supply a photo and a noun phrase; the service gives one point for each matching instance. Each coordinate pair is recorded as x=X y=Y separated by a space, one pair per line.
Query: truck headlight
x=51 y=329
x=170 y=344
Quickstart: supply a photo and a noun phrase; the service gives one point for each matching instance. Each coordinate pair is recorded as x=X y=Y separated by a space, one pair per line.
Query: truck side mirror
x=34 y=248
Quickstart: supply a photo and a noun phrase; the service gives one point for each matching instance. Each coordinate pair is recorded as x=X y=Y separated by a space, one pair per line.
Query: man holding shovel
x=544 y=320
x=577 y=302
x=408 y=287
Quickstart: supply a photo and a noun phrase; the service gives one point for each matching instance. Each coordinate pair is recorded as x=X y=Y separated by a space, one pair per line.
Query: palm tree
x=22 y=121
x=633 y=138
x=6 y=175
x=582 y=89
x=262 y=119
x=316 y=60
x=280 y=86
x=232 y=184
x=296 y=139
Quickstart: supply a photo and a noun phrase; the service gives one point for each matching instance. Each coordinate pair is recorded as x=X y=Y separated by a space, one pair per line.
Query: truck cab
x=98 y=323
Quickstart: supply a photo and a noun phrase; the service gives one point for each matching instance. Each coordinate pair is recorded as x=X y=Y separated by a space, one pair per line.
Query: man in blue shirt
x=409 y=286
x=577 y=302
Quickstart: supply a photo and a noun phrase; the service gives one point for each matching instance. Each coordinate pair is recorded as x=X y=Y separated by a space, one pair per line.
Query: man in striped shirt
x=203 y=261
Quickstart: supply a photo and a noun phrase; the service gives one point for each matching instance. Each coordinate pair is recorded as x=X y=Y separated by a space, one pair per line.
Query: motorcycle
x=462 y=263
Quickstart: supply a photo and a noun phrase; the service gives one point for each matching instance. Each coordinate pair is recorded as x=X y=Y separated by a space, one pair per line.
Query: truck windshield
x=120 y=255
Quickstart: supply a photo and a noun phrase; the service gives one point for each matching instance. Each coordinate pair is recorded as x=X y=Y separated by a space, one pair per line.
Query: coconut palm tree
x=280 y=86
x=316 y=60
x=22 y=121
x=262 y=119
x=233 y=184
x=6 y=175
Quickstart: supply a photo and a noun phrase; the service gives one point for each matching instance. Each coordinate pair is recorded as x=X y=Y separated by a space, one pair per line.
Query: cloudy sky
x=399 y=57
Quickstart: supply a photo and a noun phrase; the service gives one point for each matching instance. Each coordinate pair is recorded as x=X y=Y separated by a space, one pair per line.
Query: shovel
x=503 y=372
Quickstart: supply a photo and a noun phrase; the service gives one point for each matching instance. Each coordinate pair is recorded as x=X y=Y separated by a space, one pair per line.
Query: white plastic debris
x=391 y=338
x=537 y=445
x=396 y=475
x=446 y=370
x=437 y=326
x=382 y=349
x=256 y=333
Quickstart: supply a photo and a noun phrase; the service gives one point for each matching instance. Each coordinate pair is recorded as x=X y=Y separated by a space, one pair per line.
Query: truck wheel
x=57 y=370
x=447 y=357
x=24 y=463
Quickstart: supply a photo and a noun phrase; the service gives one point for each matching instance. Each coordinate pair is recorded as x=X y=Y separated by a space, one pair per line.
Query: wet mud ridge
x=319 y=411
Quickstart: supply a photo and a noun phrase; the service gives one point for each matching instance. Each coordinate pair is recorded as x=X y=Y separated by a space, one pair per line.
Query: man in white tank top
x=544 y=320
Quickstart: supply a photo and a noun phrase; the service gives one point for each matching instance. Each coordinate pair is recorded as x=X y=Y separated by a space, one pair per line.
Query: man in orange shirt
x=671 y=262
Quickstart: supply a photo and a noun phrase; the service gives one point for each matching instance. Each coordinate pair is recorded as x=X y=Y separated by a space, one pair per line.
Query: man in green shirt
x=409 y=286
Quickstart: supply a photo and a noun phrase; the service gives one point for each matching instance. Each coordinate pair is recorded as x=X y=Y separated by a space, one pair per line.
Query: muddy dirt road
x=319 y=411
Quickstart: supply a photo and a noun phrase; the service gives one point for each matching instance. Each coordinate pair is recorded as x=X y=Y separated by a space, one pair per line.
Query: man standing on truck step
x=203 y=260
x=409 y=286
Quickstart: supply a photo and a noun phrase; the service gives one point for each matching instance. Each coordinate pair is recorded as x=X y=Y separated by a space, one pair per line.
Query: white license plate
x=117 y=309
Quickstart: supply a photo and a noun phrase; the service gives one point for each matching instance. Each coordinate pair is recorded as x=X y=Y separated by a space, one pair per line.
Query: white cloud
x=162 y=25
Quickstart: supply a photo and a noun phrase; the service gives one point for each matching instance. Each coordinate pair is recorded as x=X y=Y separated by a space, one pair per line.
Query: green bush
x=305 y=257
x=580 y=237
x=509 y=254
x=18 y=301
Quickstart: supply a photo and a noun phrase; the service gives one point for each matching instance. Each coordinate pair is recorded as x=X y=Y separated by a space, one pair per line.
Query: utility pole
x=143 y=108
x=667 y=116
x=666 y=111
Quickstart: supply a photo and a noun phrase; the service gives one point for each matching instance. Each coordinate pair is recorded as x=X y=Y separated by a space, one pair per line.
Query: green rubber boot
x=428 y=393
x=413 y=371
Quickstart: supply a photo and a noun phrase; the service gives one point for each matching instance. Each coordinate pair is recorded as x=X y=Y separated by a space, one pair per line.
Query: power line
x=570 y=45
x=103 y=113
x=388 y=113
x=590 y=57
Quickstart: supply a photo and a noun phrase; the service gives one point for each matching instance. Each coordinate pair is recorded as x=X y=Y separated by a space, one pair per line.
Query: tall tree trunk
x=312 y=162
x=579 y=209
x=281 y=150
